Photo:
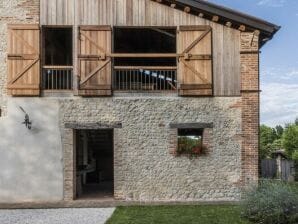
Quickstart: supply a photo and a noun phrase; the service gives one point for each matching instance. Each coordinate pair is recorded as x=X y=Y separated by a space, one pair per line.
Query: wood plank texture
x=225 y=40
x=95 y=75
x=195 y=73
x=23 y=60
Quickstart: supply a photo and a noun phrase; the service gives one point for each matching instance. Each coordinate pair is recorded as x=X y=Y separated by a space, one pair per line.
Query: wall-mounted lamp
x=27 y=121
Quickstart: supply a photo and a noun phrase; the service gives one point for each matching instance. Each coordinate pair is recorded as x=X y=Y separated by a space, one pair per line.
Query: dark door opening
x=94 y=164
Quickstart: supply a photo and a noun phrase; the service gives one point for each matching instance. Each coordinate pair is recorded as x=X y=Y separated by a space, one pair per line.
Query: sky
x=279 y=58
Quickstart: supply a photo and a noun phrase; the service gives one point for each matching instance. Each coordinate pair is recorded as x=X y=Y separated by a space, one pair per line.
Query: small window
x=190 y=142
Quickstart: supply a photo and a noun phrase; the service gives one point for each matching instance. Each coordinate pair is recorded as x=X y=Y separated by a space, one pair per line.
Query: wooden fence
x=270 y=169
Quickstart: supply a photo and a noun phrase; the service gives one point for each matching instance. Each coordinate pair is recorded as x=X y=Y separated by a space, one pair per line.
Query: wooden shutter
x=23 y=60
x=95 y=61
x=195 y=60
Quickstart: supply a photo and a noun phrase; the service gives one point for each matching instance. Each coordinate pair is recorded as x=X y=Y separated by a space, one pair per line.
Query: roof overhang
x=225 y=16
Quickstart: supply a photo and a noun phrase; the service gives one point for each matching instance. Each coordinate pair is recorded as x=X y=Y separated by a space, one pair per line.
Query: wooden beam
x=187 y=9
x=23 y=26
x=215 y=18
x=257 y=32
x=228 y=24
x=149 y=55
x=195 y=86
x=242 y=28
x=145 y=67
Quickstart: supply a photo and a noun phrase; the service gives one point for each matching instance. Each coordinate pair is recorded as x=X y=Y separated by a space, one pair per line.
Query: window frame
x=66 y=67
x=154 y=55
x=200 y=148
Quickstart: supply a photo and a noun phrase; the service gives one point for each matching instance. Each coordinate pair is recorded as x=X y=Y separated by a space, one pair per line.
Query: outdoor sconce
x=27 y=121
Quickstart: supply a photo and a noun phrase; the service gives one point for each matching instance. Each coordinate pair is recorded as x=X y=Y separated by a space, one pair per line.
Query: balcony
x=142 y=78
x=57 y=77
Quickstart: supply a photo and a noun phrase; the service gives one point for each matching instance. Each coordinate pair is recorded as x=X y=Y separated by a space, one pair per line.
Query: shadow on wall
x=31 y=160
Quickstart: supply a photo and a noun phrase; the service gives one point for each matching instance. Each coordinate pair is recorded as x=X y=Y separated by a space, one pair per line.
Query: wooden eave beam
x=208 y=10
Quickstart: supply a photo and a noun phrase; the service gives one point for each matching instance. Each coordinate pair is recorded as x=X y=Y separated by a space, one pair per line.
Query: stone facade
x=145 y=168
x=13 y=12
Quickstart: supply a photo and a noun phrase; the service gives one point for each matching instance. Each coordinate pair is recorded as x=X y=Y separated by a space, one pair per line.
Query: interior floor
x=98 y=191
x=94 y=162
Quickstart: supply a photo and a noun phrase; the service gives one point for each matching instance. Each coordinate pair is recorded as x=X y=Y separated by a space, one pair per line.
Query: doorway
x=94 y=164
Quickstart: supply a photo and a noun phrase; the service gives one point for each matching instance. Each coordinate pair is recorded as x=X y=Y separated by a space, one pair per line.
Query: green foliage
x=178 y=214
x=277 y=144
x=279 y=131
x=290 y=139
x=295 y=155
x=272 y=139
x=267 y=137
x=189 y=146
x=272 y=202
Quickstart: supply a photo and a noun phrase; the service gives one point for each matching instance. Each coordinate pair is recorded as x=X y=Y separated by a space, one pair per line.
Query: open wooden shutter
x=95 y=61
x=195 y=60
x=23 y=60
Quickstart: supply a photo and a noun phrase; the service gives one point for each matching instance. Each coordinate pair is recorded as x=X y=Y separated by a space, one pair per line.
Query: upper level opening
x=145 y=41
x=145 y=58
x=57 y=58
x=57 y=44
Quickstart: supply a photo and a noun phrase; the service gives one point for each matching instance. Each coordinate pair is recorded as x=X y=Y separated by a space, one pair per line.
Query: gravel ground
x=56 y=216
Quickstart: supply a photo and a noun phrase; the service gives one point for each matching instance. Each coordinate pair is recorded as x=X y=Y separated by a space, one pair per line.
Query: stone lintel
x=191 y=125
x=96 y=125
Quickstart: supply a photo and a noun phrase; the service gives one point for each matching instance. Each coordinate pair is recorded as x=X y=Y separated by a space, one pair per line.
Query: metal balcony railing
x=57 y=77
x=140 y=78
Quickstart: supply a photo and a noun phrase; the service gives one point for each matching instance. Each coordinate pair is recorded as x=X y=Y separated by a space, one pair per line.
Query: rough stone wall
x=13 y=11
x=250 y=107
x=145 y=168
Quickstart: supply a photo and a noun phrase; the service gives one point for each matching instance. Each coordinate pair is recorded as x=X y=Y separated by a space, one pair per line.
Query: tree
x=296 y=121
x=277 y=144
x=290 y=139
x=267 y=137
x=279 y=131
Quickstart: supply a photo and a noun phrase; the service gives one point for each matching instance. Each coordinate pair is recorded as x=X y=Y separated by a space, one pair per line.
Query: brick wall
x=250 y=107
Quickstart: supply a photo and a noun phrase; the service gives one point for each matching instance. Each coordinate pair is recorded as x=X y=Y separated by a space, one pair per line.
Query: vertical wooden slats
x=194 y=73
x=95 y=72
x=226 y=58
x=23 y=60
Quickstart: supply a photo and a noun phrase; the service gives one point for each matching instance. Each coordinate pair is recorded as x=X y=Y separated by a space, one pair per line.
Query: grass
x=188 y=214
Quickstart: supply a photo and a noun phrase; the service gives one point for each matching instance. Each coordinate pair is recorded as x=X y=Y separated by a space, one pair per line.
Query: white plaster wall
x=31 y=166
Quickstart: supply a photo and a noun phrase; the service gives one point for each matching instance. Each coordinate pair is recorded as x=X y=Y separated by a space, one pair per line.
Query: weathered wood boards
x=225 y=40
x=23 y=60
x=94 y=61
x=195 y=73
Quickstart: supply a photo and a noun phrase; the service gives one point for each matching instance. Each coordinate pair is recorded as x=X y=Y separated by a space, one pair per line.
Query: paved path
x=56 y=216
